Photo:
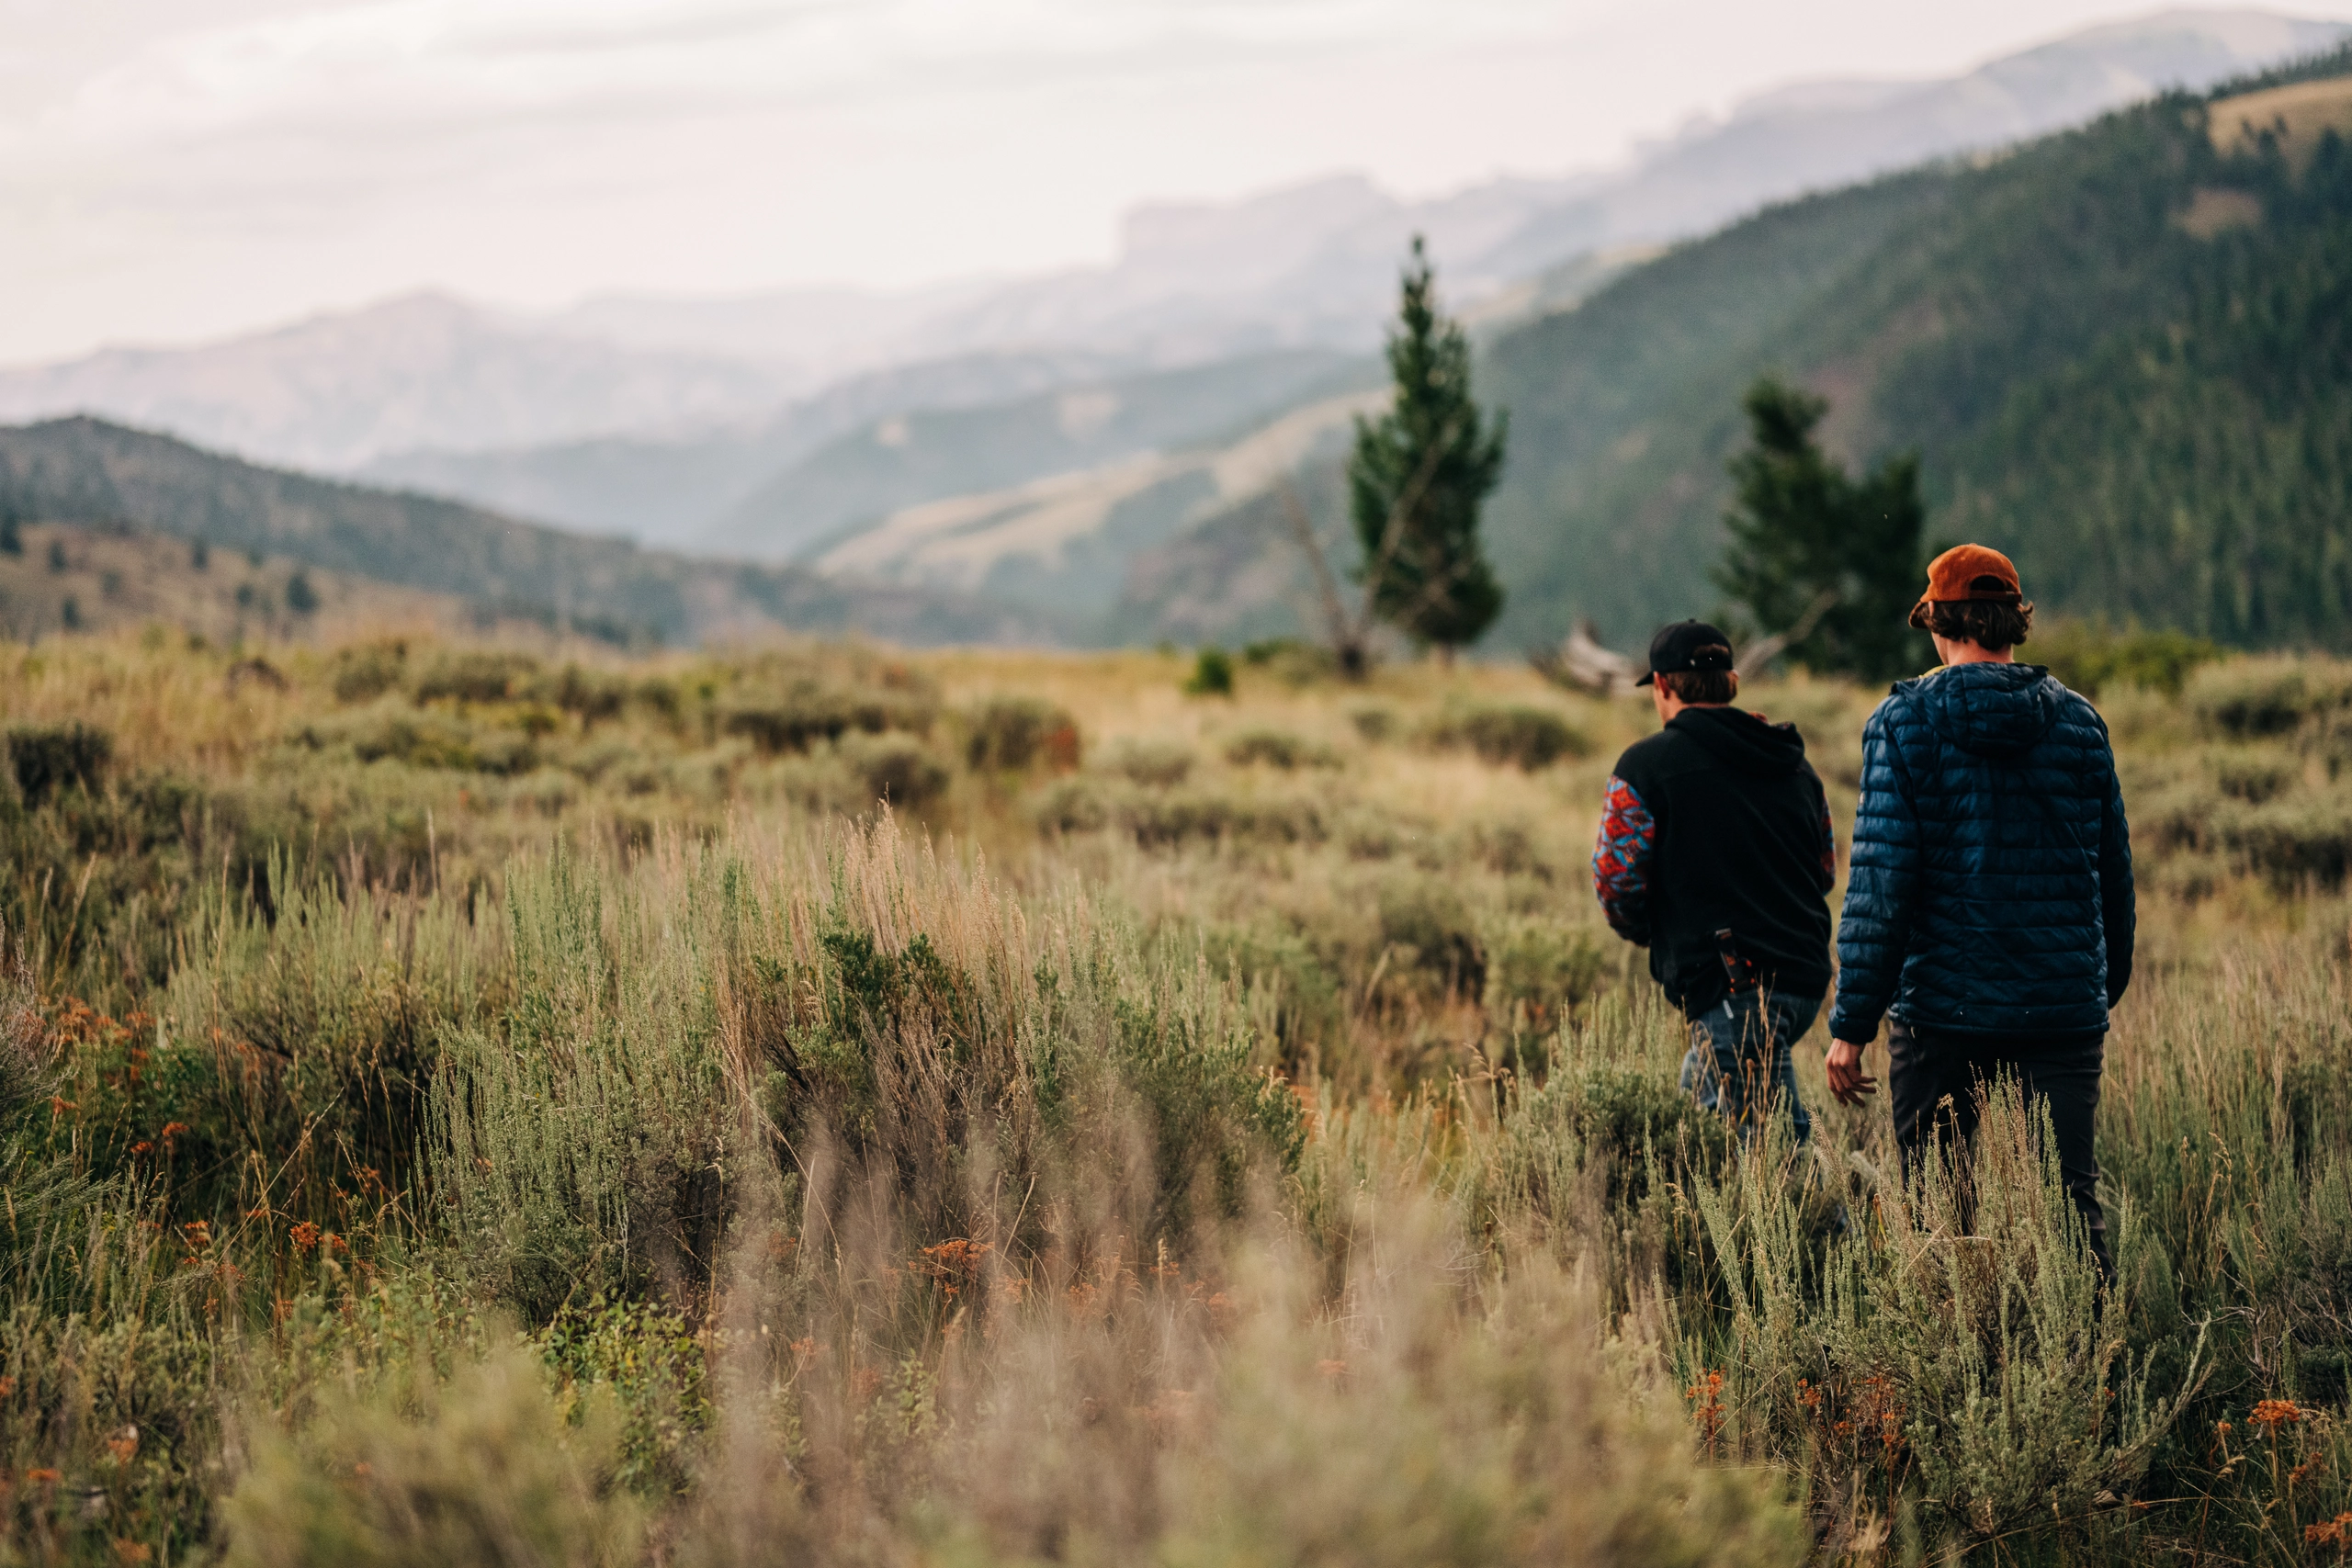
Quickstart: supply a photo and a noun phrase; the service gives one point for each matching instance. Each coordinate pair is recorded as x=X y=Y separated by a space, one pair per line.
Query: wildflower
x=8 y=1387
x=304 y=1236
x=124 y=1444
x=953 y=1263
x=1708 y=1413
x=172 y=1130
x=43 y=1477
x=129 y=1551
x=2335 y=1532
x=2274 y=1414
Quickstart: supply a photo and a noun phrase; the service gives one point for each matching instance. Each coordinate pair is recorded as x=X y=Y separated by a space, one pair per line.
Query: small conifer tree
x=1418 y=476
x=1829 y=564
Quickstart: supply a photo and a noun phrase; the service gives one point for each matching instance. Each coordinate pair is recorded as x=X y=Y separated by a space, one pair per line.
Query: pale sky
x=171 y=170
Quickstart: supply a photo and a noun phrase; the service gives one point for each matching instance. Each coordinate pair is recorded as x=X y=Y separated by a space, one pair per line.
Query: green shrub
x=1539 y=971
x=1527 y=738
x=1967 y=1324
x=1157 y=764
x=2253 y=697
x=46 y=758
x=392 y=731
x=2292 y=840
x=578 y=1142
x=2091 y=657
x=1011 y=734
x=1279 y=967
x=1165 y=820
x=488 y=1471
x=2255 y=774
x=1072 y=805
x=592 y=694
x=807 y=712
x=1374 y=724
x=1430 y=1435
x=1431 y=932
x=364 y=672
x=1211 y=675
x=1292 y=661
x=477 y=676
x=1279 y=749
x=896 y=768
x=654 y=1366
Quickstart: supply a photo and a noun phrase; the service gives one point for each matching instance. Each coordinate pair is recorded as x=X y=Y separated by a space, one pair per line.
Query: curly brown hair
x=1987 y=623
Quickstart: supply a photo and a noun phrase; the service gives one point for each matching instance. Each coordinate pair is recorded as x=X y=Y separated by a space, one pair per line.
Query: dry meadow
x=472 y=1104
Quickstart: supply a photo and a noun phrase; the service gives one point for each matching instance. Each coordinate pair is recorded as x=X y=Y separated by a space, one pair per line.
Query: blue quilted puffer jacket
x=1991 y=883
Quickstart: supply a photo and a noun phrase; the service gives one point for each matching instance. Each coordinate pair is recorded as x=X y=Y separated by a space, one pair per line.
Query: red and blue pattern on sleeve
x=1620 y=861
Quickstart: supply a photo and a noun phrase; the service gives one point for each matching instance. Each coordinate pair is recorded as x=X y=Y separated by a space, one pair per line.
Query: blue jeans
x=1739 y=1062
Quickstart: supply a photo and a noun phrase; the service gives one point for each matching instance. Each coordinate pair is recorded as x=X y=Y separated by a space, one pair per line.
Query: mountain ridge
x=80 y=470
x=677 y=382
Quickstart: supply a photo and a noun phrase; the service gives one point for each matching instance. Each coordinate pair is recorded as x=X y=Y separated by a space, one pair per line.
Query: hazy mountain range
x=1314 y=266
x=1058 y=446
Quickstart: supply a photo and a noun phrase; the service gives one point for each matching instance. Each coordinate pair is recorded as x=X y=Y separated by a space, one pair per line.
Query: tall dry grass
x=470 y=1108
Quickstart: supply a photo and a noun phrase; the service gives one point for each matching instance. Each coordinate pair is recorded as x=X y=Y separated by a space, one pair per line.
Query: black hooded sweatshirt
x=1717 y=823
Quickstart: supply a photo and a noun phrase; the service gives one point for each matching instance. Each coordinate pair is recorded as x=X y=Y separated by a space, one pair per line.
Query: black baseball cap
x=1686 y=645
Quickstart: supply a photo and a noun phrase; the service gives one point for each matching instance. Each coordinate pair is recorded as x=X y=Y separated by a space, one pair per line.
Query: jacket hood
x=1742 y=741
x=1988 y=710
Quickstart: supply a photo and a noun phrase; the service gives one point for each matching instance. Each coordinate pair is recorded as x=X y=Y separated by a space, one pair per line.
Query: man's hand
x=1847 y=1080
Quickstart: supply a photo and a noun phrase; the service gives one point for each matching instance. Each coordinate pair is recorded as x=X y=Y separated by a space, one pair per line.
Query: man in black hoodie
x=1716 y=853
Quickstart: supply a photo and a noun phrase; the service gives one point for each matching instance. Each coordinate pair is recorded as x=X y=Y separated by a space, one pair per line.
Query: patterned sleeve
x=1620 y=861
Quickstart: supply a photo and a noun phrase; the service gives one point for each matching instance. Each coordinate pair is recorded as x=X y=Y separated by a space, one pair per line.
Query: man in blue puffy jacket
x=1988 y=905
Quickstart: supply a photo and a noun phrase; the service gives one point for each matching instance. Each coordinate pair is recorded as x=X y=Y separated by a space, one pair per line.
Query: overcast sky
x=176 y=169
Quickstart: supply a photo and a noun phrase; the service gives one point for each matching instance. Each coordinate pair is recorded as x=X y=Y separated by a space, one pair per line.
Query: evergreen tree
x=1418 y=476
x=12 y=537
x=1829 y=564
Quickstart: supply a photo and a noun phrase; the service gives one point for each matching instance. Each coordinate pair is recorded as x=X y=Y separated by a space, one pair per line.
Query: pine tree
x=1831 y=565
x=1419 y=476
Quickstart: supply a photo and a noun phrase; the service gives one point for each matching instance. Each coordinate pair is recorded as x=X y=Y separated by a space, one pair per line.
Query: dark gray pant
x=1935 y=1080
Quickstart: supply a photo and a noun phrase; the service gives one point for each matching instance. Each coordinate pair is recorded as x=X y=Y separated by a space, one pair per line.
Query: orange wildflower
x=2274 y=1414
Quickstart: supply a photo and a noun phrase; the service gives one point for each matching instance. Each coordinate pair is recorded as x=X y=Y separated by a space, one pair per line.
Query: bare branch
x=1762 y=651
x=1581 y=664
x=1341 y=631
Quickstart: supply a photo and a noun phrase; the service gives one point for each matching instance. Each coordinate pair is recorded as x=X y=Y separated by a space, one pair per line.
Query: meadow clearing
x=487 y=1104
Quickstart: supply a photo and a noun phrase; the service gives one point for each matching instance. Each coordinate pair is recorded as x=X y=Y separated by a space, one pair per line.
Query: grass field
x=472 y=1104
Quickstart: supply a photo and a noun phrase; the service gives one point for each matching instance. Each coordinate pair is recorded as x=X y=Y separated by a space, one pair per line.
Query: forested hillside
x=2122 y=352
x=83 y=471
